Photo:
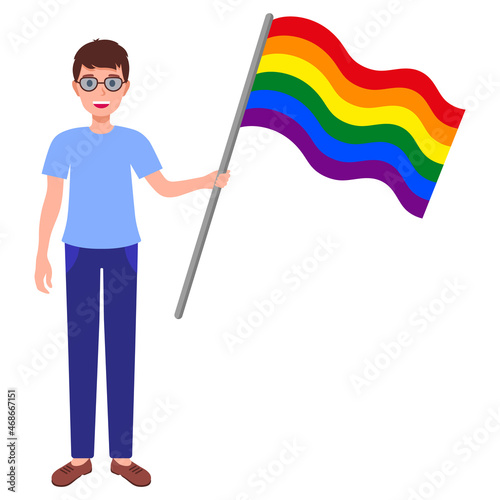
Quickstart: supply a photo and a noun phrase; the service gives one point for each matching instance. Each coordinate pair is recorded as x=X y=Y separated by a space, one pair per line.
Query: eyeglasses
x=90 y=83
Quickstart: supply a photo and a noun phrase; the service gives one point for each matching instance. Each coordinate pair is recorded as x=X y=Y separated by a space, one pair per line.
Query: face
x=101 y=101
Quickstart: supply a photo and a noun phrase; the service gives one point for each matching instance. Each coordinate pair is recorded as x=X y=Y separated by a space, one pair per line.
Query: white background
x=291 y=379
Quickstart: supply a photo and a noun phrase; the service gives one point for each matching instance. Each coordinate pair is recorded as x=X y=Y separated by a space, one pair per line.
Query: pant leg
x=120 y=287
x=82 y=300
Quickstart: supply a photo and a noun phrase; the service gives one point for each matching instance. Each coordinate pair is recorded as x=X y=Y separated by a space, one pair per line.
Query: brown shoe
x=132 y=473
x=69 y=473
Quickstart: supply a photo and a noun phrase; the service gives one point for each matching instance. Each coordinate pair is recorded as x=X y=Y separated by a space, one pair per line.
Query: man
x=101 y=232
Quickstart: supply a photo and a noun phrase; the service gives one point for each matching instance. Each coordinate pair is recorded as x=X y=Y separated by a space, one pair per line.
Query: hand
x=220 y=180
x=43 y=270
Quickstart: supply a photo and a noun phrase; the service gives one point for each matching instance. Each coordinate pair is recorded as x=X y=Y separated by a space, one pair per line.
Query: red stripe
x=365 y=77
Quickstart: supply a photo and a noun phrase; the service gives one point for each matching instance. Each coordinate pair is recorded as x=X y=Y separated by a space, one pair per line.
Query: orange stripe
x=359 y=96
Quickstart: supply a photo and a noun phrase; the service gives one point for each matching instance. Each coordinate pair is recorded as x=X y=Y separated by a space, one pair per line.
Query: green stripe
x=345 y=132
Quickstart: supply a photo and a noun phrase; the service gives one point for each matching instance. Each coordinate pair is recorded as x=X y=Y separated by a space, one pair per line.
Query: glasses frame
x=102 y=83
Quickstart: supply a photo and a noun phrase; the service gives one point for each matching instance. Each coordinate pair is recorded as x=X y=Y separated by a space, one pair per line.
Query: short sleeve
x=57 y=160
x=143 y=157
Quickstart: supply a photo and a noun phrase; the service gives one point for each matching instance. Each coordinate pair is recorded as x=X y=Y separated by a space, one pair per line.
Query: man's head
x=100 y=74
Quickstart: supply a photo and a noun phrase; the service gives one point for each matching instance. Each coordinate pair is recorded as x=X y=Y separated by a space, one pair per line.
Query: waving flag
x=351 y=122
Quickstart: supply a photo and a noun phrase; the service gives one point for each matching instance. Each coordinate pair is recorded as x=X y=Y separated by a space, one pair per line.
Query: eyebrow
x=90 y=75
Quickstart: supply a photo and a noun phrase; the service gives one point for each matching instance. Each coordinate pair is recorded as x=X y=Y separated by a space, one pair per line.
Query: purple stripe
x=334 y=169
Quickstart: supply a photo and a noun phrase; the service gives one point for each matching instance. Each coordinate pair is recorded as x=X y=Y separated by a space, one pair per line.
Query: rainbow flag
x=351 y=122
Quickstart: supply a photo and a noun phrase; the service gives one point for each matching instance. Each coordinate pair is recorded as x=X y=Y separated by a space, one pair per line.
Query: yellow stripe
x=349 y=113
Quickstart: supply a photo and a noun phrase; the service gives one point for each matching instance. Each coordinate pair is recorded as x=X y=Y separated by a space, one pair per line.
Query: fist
x=220 y=179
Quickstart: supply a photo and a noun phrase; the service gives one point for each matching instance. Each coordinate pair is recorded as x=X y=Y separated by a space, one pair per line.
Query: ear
x=126 y=86
x=76 y=88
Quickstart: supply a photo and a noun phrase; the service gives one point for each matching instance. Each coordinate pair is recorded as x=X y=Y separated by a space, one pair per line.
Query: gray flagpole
x=240 y=111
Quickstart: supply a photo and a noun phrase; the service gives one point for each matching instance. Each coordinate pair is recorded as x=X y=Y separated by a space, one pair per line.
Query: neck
x=101 y=124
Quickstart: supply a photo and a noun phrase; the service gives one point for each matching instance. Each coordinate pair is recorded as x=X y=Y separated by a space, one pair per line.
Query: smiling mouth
x=101 y=104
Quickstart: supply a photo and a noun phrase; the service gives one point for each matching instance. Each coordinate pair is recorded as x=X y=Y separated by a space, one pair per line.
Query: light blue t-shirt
x=101 y=204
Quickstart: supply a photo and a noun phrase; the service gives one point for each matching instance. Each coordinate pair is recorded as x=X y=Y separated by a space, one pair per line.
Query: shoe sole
x=63 y=485
x=138 y=485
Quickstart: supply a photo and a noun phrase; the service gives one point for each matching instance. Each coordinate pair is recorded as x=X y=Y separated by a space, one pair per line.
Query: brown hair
x=101 y=54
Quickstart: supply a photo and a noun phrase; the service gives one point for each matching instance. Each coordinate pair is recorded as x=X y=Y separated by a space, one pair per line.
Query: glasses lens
x=113 y=84
x=88 y=84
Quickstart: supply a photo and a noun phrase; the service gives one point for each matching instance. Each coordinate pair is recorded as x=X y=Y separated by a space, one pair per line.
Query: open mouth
x=101 y=104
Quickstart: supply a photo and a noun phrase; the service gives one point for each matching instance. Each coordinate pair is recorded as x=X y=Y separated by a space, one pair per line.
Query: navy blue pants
x=83 y=267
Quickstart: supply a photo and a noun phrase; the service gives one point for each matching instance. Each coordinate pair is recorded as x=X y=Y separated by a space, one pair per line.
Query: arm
x=177 y=188
x=50 y=211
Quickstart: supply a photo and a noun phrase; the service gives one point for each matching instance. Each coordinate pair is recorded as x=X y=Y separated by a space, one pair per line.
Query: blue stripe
x=338 y=150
